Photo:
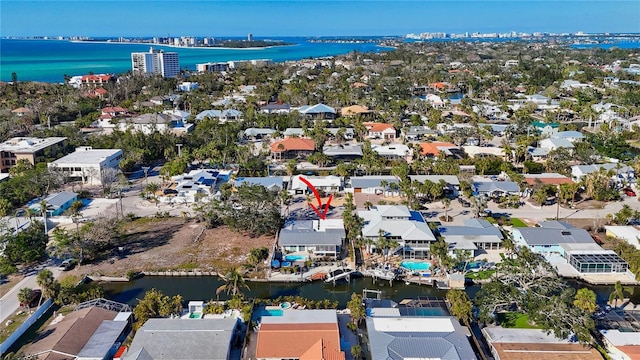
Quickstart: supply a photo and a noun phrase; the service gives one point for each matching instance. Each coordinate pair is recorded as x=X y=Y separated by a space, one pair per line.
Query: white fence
x=25 y=326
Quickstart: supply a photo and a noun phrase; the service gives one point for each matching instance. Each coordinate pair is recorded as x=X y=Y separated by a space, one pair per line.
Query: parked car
x=67 y=265
x=597 y=240
x=35 y=298
x=629 y=192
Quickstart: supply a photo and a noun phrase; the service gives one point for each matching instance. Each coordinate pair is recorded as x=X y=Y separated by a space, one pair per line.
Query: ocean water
x=50 y=60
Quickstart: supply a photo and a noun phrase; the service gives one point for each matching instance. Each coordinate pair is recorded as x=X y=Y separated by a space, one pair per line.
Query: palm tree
x=446 y=202
x=233 y=282
x=25 y=295
x=46 y=281
x=43 y=209
x=618 y=293
x=384 y=184
x=585 y=299
x=152 y=189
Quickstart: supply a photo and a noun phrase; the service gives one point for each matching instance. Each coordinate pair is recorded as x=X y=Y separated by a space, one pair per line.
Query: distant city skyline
x=312 y=18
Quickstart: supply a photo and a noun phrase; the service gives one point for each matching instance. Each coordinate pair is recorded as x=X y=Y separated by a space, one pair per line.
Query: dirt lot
x=168 y=244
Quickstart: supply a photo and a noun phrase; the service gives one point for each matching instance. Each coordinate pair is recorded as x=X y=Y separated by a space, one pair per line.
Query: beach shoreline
x=179 y=46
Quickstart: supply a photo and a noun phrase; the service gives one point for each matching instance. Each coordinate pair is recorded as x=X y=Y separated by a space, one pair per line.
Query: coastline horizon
x=49 y=61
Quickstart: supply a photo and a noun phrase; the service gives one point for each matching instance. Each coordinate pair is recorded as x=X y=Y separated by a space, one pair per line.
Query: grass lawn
x=515 y=320
x=515 y=222
x=480 y=275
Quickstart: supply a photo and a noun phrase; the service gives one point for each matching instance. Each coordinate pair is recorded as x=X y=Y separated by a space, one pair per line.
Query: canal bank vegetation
x=527 y=287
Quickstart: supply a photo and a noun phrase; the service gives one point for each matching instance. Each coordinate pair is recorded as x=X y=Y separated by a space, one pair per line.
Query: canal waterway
x=204 y=288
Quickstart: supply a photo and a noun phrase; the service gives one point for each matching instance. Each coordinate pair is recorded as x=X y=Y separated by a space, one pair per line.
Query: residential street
x=9 y=303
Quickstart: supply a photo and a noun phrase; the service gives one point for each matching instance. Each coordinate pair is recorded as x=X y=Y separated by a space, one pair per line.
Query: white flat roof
x=629 y=234
x=505 y=335
x=407 y=324
x=621 y=338
x=23 y=145
x=87 y=156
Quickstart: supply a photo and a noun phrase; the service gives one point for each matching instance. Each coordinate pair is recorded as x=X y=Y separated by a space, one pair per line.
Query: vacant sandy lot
x=169 y=244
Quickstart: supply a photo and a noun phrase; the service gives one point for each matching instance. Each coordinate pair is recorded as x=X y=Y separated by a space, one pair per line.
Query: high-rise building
x=155 y=62
x=250 y=37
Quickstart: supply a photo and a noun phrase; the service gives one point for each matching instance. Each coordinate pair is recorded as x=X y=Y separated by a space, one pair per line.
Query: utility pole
x=146 y=172
x=179 y=147
x=558 y=203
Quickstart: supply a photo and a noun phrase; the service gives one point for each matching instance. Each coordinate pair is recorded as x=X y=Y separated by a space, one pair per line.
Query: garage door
x=357 y=190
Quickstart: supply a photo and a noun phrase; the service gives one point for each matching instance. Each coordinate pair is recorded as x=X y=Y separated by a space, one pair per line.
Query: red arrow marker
x=325 y=208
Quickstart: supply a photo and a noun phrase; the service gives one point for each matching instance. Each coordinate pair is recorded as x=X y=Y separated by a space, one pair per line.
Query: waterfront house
x=292 y=148
x=380 y=131
x=184 y=339
x=57 y=203
x=476 y=235
x=300 y=334
x=318 y=112
x=318 y=238
x=328 y=184
x=622 y=344
x=561 y=244
x=397 y=222
x=630 y=234
x=81 y=331
x=429 y=337
x=534 y=344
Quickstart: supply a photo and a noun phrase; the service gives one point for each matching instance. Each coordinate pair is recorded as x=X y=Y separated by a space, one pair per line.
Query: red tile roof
x=294 y=144
x=433 y=148
x=299 y=341
x=378 y=127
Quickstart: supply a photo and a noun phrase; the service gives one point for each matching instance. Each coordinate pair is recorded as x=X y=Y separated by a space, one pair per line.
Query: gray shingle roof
x=303 y=233
x=449 y=179
x=365 y=182
x=549 y=236
x=492 y=186
x=422 y=344
x=184 y=339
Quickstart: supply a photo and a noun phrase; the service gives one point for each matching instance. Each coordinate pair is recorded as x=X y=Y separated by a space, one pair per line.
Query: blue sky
x=311 y=18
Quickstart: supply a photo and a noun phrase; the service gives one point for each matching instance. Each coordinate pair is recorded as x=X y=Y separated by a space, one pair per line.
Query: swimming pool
x=266 y=312
x=416 y=265
x=293 y=258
